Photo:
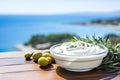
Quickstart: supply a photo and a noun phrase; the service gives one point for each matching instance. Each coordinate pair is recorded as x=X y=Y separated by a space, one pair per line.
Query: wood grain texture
x=13 y=66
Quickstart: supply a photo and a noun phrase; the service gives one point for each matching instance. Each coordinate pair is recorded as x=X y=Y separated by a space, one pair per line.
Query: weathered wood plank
x=34 y=75
x=14 y=61
x=18 y=68
x=11 y=54
x=23 y=68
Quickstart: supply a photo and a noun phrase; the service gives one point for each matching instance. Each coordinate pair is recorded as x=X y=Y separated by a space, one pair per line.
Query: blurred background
x=38 y=24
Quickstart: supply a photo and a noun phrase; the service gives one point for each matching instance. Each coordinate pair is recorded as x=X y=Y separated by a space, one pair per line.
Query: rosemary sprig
x=112 y=61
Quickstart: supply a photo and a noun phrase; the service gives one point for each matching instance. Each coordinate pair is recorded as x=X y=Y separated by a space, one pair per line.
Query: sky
x=57 y=6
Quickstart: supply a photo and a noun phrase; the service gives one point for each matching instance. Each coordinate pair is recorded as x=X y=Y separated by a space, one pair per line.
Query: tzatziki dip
x=78 y=48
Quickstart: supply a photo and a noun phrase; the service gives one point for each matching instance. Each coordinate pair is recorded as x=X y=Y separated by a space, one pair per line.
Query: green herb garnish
x=111 y=63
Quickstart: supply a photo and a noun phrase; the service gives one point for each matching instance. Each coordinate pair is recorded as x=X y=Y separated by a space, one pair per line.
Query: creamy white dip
x=78 y=48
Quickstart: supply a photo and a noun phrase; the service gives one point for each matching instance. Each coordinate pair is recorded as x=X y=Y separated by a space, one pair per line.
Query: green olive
x=36 y=55
x=27 y=56
x=49 y=59
x=46 y=55
x=43 y=61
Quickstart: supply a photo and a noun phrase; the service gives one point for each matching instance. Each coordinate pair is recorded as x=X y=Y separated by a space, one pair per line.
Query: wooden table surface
x=13 y=66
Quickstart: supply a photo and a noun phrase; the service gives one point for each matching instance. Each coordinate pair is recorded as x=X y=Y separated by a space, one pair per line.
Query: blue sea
x=18 y=29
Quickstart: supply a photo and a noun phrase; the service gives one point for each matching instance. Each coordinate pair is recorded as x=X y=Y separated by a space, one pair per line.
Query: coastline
x=116 y=27
x=22 y=47
x=110 y=23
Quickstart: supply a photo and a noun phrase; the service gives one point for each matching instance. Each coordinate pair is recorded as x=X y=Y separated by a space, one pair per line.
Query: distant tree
x=51 y=38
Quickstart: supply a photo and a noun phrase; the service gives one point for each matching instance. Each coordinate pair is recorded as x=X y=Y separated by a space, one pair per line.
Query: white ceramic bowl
x=78 y=63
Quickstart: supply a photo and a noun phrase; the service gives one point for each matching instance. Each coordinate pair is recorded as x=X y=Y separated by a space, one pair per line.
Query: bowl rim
x=102 y=53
